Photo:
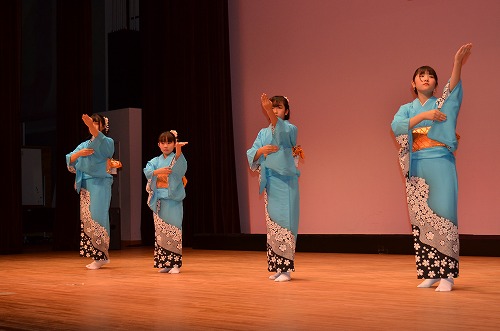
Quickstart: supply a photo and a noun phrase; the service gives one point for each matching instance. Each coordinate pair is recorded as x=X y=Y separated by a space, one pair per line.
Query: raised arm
x=461 y=57
x=267 y=105
x=89 y=122
x=178 y=148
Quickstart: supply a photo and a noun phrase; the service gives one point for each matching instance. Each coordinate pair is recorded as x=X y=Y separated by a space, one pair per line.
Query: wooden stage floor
x=230 y=290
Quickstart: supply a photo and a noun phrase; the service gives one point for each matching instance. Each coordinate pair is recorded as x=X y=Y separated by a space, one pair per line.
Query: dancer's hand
x=267 y=105
x=269 y=149
x=463 y=53
x=435 y=115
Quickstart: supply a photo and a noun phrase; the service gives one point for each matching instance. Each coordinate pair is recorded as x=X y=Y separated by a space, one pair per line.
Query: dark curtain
x=11 y=236
x=74 y=98
x=187 y=88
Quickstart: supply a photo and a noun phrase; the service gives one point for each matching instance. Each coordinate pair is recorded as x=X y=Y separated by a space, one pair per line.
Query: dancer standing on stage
x=425 y=129
x=90 y=162
x=165 y=187
x=274 y=155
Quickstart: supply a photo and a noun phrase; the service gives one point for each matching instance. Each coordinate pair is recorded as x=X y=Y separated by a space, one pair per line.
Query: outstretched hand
x=267 y=105
x=178 y=148
x=463 y=53
x=87 y=120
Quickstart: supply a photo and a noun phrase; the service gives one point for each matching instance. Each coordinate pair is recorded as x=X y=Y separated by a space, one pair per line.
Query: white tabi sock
x=445 y=285
x=164 y=270
x=428 y=283
x=97 y=264
x=276 y=275
x=284 y=277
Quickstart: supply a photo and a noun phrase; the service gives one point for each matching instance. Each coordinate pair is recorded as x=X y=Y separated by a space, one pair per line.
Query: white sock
x=284 y=277
x=276 y=275
x=445 y=285
x=428 y=283
x=164 y=270
x=174 y=270
x=97 y=264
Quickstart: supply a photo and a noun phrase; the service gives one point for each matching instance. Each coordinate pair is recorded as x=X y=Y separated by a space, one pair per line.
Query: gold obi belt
x=421 y=140
x=162 y=181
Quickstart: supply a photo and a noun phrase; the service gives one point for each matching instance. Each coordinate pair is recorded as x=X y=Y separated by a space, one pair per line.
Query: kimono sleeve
x=282 y=161
x=179 y=168
x=71 y=165
x=102 y=145
x=400 y=123
x=445 y=131
x=258 y=143
x=150 y=168
x=176 y=189
x=285 y=133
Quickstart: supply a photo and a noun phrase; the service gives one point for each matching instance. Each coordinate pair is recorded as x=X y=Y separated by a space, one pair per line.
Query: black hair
x=277 y=99
x=423 y=70
x=167 y=136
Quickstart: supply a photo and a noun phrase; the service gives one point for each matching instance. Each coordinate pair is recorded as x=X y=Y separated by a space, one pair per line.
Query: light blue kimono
x=278 y=177
x=93 y=183
x=166 y=204
x=432 y=185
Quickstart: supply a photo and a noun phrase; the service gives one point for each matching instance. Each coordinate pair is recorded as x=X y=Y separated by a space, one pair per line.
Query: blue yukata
x=278 y=179
x=93 y=183
x=165 y=196
x=428 y=164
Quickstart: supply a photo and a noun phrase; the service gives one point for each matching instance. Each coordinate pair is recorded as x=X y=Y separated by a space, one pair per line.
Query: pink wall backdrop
x=346 y=67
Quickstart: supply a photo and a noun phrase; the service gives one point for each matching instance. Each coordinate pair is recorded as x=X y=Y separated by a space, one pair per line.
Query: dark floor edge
x=470 y=245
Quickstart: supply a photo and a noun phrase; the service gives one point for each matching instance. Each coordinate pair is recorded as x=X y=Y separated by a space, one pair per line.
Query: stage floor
x=230 y=290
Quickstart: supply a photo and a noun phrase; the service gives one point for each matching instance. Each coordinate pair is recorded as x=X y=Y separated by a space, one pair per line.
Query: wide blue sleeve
x=71 y=165
x=285 y=134
x=401 y=122
x=282 y=161
x=95 y=165
x=151 y=166
x=445 y=131
x=258 y=143
x=103 y=146
x=175 y=184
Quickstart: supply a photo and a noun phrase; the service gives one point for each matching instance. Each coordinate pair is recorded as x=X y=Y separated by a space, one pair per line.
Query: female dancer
x=425 y=130
x=90 y=162
x=272 y=154
x=165 y=187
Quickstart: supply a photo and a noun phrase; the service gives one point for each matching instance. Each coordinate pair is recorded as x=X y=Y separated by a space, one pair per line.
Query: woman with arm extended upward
x=274 y=155
x=425 y=130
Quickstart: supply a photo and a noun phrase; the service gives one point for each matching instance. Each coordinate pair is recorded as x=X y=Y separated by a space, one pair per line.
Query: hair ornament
x=174 y=133
x=106 y=123
x=286 y=99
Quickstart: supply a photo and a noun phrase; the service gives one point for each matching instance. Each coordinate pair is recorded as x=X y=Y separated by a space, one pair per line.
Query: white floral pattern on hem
x=168 y=244
x=94 y=239
x=280 y=245
x=436 y=239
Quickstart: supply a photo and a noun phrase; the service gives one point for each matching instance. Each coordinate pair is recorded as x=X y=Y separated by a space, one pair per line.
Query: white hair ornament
x=106 y=123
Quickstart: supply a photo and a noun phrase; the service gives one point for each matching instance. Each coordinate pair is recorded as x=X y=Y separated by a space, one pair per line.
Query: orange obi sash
x=162 y=181
x=298 y=151
x=421 y=140
x=112 y=164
